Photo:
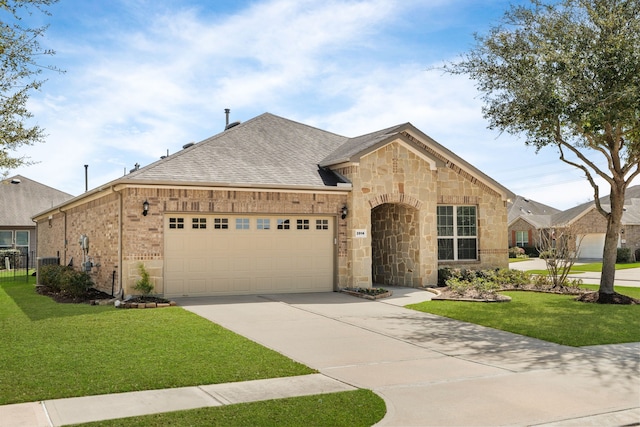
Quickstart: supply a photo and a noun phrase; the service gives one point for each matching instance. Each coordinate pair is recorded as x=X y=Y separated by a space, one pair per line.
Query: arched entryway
x=395 y=246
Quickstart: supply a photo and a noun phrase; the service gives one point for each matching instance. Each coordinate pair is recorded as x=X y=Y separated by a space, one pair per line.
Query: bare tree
x=560 y=248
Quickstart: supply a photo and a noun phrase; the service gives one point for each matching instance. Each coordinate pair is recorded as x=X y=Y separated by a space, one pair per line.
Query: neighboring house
x=20 y=199
x=526 y=220
x=272 y=205
x=590 y=225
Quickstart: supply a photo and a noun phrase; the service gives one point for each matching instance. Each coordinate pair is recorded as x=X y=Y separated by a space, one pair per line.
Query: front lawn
x=347 y=409
x=50 y=350
x=549 y=317
x=593 y=267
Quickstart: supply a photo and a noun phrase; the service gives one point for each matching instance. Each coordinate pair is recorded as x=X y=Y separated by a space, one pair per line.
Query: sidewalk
x=76 y=410
x=627 y=277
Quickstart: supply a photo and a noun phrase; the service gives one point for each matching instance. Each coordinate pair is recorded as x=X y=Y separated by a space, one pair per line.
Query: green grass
x=549 y=317
x=594 y=267
x=50 y=350
x=350 y=408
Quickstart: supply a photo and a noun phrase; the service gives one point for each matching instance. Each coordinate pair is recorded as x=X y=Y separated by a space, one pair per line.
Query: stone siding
x=396 y=175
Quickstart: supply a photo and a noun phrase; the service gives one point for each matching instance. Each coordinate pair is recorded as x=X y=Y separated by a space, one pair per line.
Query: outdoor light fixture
x=344 y=211
x=145 y=208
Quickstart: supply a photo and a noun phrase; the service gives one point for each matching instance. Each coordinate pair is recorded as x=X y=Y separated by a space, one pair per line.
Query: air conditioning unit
x=41 y=261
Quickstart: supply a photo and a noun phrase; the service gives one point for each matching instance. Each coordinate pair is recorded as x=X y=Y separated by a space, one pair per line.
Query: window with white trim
x=283 y=224
x=176 y=223
x=522 y=238
x=264 y=224
x=302 y=224
x=242 y=223
x=322 y=224
x=221 y=223
x=457 y=233
x=22 y=241
x=199 y=223
x=6 y=239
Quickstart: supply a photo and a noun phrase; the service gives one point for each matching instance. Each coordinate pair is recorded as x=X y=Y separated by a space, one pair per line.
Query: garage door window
x=302 y=224
x=322 y=224
x=176 y=223
x=221 y=223
x=242 y=223
x=199 y=223
x=284 y=224
x=264 y=224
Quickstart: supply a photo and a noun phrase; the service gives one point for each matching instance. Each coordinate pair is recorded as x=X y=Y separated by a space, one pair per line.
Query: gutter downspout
x=120 y=260
x=64 y=248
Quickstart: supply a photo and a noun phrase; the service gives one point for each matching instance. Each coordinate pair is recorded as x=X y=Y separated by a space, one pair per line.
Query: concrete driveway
x=434 y=371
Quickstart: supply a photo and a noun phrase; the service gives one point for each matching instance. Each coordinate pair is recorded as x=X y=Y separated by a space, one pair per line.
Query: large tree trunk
x=614 y=224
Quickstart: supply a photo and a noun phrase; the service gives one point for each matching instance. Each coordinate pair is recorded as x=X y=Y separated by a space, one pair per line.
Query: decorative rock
x=173 y=303
x=150 y=305
x=163 y=304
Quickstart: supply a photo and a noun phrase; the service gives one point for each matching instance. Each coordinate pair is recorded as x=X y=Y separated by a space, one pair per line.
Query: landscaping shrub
x=624 y=255
x=516 y=252
x=477 y=287
x=444 y=274
x=75 y=283
x=60 y=278
x=51 y=276
x=143 y=285
x=515 y=278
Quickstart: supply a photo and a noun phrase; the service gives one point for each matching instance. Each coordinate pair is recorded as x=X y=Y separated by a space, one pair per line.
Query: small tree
x=143 y=285
x=559 y=249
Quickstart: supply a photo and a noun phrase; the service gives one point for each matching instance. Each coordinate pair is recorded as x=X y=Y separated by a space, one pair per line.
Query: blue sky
x=144 y=77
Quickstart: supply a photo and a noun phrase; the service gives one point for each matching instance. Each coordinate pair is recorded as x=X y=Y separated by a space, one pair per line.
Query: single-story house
x=526 y=218
x=589 y=224
x=21 y=198
x=271 y=205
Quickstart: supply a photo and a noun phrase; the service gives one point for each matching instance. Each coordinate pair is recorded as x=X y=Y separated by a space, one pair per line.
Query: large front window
x=457 y=233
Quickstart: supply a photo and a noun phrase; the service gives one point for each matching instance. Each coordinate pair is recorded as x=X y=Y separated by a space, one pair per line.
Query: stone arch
x=395 y=243
x=400 y=198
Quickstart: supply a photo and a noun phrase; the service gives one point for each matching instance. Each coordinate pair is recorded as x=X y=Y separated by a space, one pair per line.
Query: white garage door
x=234 y=255
x=592 y=246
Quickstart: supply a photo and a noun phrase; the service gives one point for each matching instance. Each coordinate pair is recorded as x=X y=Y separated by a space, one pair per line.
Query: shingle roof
x=630 y=216
x=353 y=146
x=526 y=208
x=266 y=150
x=532 y=211
x=19 y=202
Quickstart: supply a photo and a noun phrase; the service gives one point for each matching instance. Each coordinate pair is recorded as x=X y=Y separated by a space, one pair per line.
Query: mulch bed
x=62 y=297
x=94 y=297
x=615 y=298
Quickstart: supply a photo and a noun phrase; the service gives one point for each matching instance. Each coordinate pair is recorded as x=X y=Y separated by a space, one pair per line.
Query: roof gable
x=23 y=200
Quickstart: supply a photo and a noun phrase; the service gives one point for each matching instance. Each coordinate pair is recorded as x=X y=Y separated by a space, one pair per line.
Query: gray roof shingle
x=19 y=202
x=266 y=150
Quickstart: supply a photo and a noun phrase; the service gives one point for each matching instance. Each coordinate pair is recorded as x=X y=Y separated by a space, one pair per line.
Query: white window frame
x=456 y=237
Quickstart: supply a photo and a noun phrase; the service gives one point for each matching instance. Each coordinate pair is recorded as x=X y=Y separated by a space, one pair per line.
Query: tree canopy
x=566 y=74
x=20 y=67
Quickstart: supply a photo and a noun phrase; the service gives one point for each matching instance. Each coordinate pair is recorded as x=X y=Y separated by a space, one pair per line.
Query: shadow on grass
x=38 y=307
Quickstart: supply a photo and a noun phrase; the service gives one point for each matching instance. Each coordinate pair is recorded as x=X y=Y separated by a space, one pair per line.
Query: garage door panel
x=210 y=261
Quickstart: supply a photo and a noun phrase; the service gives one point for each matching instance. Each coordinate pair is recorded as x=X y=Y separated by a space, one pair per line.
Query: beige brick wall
x=142 y=236
x=592 y=222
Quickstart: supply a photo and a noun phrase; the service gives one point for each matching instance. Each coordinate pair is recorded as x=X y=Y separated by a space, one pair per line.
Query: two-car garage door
x=235 y=254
